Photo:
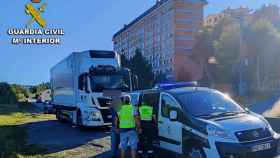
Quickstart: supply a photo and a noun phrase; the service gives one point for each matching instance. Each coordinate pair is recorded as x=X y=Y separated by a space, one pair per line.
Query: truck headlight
x=218 y=132
x=92 y=115
x=95 y=115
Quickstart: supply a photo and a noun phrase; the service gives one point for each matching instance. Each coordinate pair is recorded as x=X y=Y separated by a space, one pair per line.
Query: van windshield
x=208 y=104
x=108 y=82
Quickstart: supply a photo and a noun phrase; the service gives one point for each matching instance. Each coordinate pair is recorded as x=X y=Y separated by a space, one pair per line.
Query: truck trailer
x=78 y=83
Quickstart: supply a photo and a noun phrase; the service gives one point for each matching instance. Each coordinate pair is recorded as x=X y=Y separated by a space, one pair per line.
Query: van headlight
x=218 y=132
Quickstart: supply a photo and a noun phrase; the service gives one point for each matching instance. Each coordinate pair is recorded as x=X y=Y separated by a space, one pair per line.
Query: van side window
x=167 y=103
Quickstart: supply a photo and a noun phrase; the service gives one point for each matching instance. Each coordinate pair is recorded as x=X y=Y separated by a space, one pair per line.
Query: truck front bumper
x=245 y=150
x=95 y=124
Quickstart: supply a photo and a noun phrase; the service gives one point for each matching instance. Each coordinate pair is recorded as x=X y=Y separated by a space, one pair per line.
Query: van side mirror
x=173 y=115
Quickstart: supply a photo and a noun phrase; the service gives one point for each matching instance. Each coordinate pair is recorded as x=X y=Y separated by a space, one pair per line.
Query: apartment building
x=213 y=19
x=239 y=14
x=165 y=35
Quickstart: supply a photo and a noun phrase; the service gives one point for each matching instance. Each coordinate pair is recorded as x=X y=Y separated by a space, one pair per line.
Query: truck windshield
x=109 y=82
x=208 y=104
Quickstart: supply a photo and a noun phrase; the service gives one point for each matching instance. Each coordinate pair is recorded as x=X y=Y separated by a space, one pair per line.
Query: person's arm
x=137 y=120
x=154 y=116
x=138 y=124
x=117 y=124
x=155 y=119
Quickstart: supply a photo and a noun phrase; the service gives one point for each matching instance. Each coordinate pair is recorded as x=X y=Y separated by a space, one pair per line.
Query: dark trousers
x=115 y=141
x=147 y=138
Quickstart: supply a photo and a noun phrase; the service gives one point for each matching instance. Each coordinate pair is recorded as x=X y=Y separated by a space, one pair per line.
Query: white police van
x=200 y=122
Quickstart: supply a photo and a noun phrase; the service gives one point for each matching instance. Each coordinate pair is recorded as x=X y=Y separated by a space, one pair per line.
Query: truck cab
x=199 y=122
x=79 y=83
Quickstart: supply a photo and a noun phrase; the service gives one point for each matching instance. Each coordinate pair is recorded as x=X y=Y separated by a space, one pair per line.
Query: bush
x=7 y=96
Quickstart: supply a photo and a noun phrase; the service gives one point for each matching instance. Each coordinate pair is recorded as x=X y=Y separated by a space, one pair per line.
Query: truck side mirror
x=173 y=115
x=87 y=83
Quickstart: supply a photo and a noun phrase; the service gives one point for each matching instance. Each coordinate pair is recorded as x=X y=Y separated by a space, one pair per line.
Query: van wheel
x=79 y=118
x=196 y=152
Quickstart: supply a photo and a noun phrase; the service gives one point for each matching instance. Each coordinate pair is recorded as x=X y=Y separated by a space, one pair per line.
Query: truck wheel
x=79 y=119
x=58 y=115
x=196 y=152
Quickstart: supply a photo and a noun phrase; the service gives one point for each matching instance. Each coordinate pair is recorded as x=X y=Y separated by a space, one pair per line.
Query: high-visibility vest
x=126 y=117
x=146 y=112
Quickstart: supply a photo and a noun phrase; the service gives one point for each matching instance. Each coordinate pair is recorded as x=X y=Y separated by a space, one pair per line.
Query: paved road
x=64 y=139
x=70 y=141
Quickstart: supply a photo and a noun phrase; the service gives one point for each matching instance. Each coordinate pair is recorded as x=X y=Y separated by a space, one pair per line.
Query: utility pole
x=240 y=85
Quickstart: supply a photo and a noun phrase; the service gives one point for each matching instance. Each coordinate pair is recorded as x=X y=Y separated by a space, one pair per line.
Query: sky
x=88 y=24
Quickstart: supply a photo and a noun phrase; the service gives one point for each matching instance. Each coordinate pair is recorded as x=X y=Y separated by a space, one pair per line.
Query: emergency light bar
x=168 y=86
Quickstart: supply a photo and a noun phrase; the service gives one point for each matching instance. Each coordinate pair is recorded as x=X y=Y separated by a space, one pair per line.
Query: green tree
x=228 y=45
x=33 y=90
x=38 y=89
x=160 y=78
x=140 y=67
x=7 y=95
x=20 y=91
x=202 y=51
x=227 y=51
x=255 y=40
x=263 y=45
x=268 y=12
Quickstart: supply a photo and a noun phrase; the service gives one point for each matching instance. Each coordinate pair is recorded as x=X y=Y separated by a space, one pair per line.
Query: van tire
x=79 y=118
x=196 y=152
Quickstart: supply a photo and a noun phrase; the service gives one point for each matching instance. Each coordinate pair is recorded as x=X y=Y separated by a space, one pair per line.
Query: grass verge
x=13 y=135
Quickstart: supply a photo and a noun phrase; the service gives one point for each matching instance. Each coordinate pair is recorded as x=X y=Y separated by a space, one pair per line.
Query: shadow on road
x=103 y=155
x=59 y=137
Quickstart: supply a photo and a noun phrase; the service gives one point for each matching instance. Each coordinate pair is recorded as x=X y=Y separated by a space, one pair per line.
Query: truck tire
x=58 y=115
x=79 y=118
x=196 y=152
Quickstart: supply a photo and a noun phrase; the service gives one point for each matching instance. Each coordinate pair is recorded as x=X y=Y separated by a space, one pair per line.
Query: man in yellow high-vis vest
x=149 y=130
x=128 y=123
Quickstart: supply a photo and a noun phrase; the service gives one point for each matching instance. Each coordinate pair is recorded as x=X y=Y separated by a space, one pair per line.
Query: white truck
x=78 y=83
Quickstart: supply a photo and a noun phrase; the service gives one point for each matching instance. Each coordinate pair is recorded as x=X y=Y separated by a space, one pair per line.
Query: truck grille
x=106 y=115
x=104 y=102
x=252 y=135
